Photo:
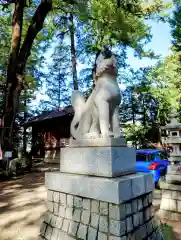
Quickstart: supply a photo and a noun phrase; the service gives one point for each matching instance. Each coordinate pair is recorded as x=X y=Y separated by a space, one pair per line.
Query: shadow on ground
x=22 y=204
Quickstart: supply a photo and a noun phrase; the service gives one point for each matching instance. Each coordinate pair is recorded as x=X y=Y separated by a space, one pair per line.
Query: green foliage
x=167 y=231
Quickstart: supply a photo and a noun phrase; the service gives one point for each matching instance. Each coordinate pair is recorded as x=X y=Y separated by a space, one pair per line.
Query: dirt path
x=22 y=203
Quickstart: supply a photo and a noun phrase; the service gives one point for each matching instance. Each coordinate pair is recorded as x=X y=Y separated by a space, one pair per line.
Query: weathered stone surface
x=76 y=215
x=86 y=204
x=102 y=236
x=173 y=205
x=165 y=204
x=117 y=228
x=85 y=218
x=50 y=195
x=48 y=232
x=73 y=226
x=117 y=212
x=77 y=202
x=173 y=170
x=134 y=206
x=129 y=224
x=63 y=199
x=98 y=161
x=56 y=197
x=104 y=208
x=70 y=200
x=92 y=233
x=179 y=206
x=62 y=211
x=50 y=206
x=166 y=193
x=94 y=220
x=103 y=224
x=114 y=190
x=98 y=142
x=56 y=208
x=43 y=228
x=65 y=225
x=136 y=220
x=55 y=233
x=82 y=231
x=95 y=206
x=64 y=236
x=165 y=185
x=173 y=178
x=69 y=213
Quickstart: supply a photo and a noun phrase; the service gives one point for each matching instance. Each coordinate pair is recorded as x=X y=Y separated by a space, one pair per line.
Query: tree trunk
x=17 y=63
x=73 y=52
x=9 y=106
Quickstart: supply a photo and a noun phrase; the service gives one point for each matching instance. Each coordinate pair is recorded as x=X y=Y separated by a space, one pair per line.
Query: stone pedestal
x=170 y=207
x=91 y=204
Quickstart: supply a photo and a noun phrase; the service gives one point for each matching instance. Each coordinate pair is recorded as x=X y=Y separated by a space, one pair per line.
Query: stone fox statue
x=99 y=115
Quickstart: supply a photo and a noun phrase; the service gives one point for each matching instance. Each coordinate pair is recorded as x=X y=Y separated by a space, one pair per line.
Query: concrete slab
x=114 y=190
x=101 y=161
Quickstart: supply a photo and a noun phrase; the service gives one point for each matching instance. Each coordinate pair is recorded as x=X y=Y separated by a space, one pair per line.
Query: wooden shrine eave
x=49 y=115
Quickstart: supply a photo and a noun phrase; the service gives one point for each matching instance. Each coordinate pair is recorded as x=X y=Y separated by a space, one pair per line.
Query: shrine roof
x=47 y=115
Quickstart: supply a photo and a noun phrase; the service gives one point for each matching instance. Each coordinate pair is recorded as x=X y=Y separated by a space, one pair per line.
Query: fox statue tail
x=78 y=104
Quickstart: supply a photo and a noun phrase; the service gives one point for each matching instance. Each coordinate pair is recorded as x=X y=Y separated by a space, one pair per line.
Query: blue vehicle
x=154 y=161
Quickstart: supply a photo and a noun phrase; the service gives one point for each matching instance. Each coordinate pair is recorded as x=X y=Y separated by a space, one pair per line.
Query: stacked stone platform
x=170 y=207
x=105 y=204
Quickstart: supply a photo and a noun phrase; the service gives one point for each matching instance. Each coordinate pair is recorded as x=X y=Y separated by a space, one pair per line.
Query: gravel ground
x=22 y=204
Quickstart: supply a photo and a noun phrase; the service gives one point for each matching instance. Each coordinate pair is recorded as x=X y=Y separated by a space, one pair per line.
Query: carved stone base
x=74 y=215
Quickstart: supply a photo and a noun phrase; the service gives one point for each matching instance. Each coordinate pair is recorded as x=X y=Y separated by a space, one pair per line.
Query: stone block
x=82 y=231
x=77 y=202
x=50 y=206
x=119 y=238
x=55 y=234
x=62 y=211
x=179 y=206
x=47 y=217
x=173 y=179
x=86 y=204
x=56 y=197
x=149 y=183
x=63 y=200
x=117 y=228
x=98 y=161
x=128 y=209
x=50 y=195
x=53 y=221
x=94 y=206
x=164 y=214
x=70 y=200
x=59 y=222
x=102 y=236
x=149 y=227
x=173 y=170
x=140 y=204
x=165 y=204
x=103 y=224
x=65 y=225
x=117 y=212
x=76 y=215
x=56 y=208
x=104 y=208
x=147 y=214
x=145 y=201
x=69 y=213
x=73 y=226
x=166 y=193
x=129 y=224
x=112 y=190
x=98 y=142
x=138 y=185
x=85 y=217
x=173 y=205
x=134 y=206
x=166 y=185
x=92 y=233
x=94 y=220
x=48 y=232
x=43 y=228
x=64 y=236
x=136 y=220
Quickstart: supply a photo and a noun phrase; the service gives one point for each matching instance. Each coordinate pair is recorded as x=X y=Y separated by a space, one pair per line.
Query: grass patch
x=167 y=231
